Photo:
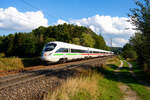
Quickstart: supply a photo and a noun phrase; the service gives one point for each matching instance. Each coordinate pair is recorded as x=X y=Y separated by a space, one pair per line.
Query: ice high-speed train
x=61 y=52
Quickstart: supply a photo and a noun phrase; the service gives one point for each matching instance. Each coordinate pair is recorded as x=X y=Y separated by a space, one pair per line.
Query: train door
x=61 y=53
x=68 y=55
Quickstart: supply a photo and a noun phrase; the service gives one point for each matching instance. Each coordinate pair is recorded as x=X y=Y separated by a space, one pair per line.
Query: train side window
x=86 y=51
x=62 y=50
x=74 y=51
x=82 y=51
x=95 y=51
x=77 y=51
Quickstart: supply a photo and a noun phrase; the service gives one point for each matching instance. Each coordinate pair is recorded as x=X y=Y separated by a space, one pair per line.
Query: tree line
x=30 y=44
x=139 y=44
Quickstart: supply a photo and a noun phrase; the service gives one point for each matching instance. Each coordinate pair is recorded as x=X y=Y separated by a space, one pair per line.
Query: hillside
x=30 y=44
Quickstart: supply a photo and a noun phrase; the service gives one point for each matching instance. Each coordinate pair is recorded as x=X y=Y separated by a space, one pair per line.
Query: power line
x=36 y=8
x=30 y=5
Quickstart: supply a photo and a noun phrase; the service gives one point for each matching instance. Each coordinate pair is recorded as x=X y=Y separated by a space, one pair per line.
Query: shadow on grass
x=124 y=75
x=112 y=66
x=28 y=62
x=121 y=76
x=141 y=74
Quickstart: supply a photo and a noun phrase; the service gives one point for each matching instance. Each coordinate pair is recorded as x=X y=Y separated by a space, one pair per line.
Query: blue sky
x=51 y=12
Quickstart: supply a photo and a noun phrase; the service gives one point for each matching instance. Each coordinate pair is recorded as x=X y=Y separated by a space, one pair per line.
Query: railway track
x=34 y=74
x=22 y=78
x=31 y=75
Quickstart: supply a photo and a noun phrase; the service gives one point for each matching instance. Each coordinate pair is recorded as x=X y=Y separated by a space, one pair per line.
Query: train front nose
x=46 y=56
x=47 y=51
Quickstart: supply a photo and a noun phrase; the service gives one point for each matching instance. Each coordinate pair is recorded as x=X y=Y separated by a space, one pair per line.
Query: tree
x=49 y=40
x=140 y=17
x=100 y=42
x=1 y=43
x=8 y=45
x=87 y=40
x=137 y=41
x=76 y=41
x=129 y=52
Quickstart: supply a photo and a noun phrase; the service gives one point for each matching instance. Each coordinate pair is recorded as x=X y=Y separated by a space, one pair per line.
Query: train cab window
x=78 y=51
x=50 y=47
x=62 y=50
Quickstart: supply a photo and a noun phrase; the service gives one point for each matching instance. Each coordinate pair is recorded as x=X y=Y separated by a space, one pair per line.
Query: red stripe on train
x=92 y=54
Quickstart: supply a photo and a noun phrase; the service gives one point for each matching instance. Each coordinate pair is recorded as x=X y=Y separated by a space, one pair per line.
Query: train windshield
x=50 y=47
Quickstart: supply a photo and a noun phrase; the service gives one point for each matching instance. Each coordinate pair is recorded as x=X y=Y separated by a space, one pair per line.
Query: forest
x=30 y=44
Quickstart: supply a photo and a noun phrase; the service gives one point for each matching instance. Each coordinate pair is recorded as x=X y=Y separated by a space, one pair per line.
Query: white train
x=61 y=52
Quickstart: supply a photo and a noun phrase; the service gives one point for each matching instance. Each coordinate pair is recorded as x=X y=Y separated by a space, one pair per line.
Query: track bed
x=32 y=83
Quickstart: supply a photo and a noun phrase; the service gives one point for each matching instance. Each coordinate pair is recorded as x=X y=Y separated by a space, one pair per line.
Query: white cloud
x=13 y=20
x=60 y=21
x=109 y=27
x=119 y=41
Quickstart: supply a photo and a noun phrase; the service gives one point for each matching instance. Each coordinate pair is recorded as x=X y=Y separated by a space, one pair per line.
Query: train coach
x=61 y=52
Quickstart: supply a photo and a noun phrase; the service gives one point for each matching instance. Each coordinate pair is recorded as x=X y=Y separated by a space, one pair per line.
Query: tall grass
x=79 y=88
x=12 y=63
x=94 y=86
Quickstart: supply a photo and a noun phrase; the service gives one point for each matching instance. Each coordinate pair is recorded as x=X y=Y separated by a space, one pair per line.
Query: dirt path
x=129 y=94
x=121 y=64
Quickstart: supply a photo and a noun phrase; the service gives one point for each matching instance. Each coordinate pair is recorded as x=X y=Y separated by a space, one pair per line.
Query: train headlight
x=46 y=54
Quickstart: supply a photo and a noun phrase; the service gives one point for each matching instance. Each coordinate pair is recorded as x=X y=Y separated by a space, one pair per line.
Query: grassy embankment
x=90 y=86
x=15 y=63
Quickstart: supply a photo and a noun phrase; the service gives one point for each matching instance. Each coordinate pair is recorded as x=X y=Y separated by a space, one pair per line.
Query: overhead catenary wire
x=36 y=8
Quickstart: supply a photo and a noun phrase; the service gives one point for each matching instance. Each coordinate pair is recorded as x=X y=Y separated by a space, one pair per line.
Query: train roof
x=74 y=46
x=63 y=44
